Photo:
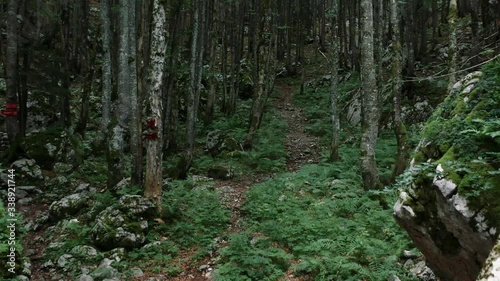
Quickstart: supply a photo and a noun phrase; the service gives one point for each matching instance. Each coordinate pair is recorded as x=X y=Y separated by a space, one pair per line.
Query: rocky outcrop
x=218 y=142
x=51 y=146
x=491 y=270
x=125 y=225
x=69 y=205
x=450 y=196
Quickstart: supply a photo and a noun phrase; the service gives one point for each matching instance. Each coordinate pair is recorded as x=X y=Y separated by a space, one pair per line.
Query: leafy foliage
x=331 y=226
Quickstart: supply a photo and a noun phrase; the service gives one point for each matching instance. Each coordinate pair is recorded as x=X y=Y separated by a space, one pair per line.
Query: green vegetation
x=464 y=137
x=267 y=155
x=318 y=222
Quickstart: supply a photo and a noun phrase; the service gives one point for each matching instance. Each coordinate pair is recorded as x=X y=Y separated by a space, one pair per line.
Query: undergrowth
x=268 y=153
x=322 y=216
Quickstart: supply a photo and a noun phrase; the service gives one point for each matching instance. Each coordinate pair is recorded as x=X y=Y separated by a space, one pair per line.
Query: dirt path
x=301 y=147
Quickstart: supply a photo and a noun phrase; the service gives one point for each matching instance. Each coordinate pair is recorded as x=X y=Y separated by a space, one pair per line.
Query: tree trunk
x=121 y=112
x=265 y=64
x=11 y=70
x=154 y=108
x=452 y=18
x=369 y=99
x=399 y=127
x=334 y=111
x=107 y=84
x=196 y=67
x=135 y=110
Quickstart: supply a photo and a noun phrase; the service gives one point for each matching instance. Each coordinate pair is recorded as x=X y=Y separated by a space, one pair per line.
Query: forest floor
x=301 y=147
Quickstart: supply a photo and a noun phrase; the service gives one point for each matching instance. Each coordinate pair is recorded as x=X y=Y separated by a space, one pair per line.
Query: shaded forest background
x=176 y=100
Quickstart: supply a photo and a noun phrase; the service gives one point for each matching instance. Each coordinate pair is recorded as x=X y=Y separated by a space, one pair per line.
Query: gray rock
x=65 y=260
x=22 y=278
x=491 y=269
x=422 y=272
x=103 y=273
x=25 y=201
x=214 y=142
x=136 y=205
x=85 y=277
x=28 y=168
x=114 y=229
x=68 y=205
x=47 y=265
x=20 y=194
x=83 y=251
x=83 y=187
x=117 y=254
x=137 y=272
x=124 y=183
x=62 y=168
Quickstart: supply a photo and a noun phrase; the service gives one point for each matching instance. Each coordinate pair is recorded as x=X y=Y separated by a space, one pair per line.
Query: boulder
x=450 y=199
x=491 y=269
x=69 y=205
x=123 y=226
x=136 y=205
x=27 y=168
x=218 y=142
x=51 y=146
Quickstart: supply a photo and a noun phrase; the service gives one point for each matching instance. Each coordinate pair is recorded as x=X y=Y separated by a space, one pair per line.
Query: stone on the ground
x=85 y=277
x=83 y=251
x=123 y=226
x=28 y=168
x=69 y=205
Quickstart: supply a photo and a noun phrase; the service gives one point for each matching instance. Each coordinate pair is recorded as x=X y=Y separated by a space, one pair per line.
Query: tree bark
x=107 y=84
x=369 y=99
x=452 y=18
x=396 y=70
x=121 y=113
x=154 y=152
x=135 y=110
x=334 y=111
x=11 y=69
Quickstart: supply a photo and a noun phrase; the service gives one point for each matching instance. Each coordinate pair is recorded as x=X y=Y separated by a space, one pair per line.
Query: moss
x=35 y=146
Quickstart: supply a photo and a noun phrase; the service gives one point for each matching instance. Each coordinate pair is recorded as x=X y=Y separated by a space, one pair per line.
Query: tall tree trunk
x=334 y=111
x=352 y=35
x=265 y=64
x=11 y=70
x=135 y=110
x=399 y=127
x=196 y=67
x=369 y=99
x=107 y=84
x=121 y=112
x=154 y=153
x=452 y=18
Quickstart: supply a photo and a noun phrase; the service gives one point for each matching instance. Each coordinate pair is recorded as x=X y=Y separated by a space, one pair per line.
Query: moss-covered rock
x=451 y=203
x=51 y=146
x=123 y=226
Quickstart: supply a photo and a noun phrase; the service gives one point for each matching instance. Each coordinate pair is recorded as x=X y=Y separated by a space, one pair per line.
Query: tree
x=107 y=82
x=334 y=111
x=264 y=72
x=135 y=110
x=193 y=98
x=154 y=107
x=119 y=124
x=396 y=85
x=369 y=99
x=11 y=70
x=452 y=18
